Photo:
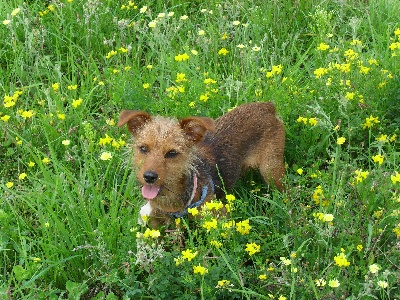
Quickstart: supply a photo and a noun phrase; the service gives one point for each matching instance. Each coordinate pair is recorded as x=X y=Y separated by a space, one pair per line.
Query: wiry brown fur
x=249 y=136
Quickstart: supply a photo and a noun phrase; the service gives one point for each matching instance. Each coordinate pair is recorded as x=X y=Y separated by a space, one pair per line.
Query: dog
x=184 y=163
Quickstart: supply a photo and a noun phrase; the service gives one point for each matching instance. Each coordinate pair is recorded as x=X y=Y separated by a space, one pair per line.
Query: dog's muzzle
x=150 y=176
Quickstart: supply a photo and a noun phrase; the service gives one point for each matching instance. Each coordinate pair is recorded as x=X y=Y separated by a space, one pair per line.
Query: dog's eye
x=171 y=154
x=143 y=149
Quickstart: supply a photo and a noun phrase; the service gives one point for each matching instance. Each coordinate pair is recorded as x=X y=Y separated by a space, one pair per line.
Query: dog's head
x=163 y=154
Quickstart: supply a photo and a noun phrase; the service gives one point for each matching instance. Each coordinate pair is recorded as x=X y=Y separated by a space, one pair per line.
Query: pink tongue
x=150 y=191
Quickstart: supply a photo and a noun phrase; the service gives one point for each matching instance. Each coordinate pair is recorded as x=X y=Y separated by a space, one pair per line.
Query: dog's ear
x=196 y=127
x=135 y=119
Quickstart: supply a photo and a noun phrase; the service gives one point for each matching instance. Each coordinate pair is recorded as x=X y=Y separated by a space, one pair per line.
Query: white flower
x=105 y=156
x=374 y=268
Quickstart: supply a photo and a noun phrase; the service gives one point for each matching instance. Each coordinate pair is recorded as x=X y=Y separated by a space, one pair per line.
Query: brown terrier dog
x=183 y=164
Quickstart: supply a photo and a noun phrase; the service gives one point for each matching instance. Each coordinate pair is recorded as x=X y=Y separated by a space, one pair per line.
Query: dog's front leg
x=152 y=216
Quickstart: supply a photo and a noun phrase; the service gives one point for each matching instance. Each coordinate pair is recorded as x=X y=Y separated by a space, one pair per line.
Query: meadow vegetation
x=68 y=198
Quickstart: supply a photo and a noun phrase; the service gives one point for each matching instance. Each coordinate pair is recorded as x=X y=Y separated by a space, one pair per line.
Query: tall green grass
x=69 y=201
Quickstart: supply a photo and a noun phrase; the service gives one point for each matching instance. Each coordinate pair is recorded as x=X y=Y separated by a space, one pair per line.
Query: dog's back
x=249 y=136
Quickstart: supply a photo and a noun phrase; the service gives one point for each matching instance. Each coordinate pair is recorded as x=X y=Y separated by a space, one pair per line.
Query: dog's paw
x=145 y=212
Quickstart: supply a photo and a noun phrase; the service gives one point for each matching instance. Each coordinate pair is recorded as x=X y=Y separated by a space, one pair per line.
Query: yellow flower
x=327 y=218
x=36 y=259
x=341 y=140
x=180 y=77
x=378 y=158
x=55 y=86
x=382 y=138
x=370 y=122
x=66 y=142
x=223 y=51
x=105 y=156
x=323 y=47
x=349 y=95
x=359 y=248
x=10 y=184
x=318 y=195
x=72 y=87
x=77 y=102
x=146 y=85
x=364 y=70
x=319 y=72
x=46 y=160
x=355 y=42
x=22 y=176
x=200 y=270
x=106 y=140
x=209 y=81
x=302 y=120
x=313 y=121
x=31 y=164
x=285 y=261
x=193 y=211
x=230 y=198
x=189 y=254
x=334 y=283
x=229 y=224
x=300 y=171
x=152 y=24
x=395 y=178
x=276 y=69
x=341 y=260
x=5 y=118
x=216 y=243
x=6 y=22
x=212 y=224
x=351 y=54
x=201 y=32
x=252 y=248
x=216 y=205
x=47 y=224
x=243 y=227
x=204 y=97
x=151 y=233
x=182 y=57
x=361 y=175
x=345 y=68
x=27 y=114
x=61 y=116
x=262 y=276
x=15 y=12
x=223 y=283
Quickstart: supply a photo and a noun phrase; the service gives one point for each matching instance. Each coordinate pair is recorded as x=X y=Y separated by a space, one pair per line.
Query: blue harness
x=184 y=212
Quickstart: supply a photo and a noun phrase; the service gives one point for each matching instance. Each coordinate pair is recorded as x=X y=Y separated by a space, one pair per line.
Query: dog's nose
x=150 y=176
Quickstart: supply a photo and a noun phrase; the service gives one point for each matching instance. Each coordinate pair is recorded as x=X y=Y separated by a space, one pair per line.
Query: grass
x=69 y=201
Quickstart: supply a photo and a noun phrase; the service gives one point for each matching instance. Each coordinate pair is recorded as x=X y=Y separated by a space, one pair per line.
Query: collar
x=204 y=192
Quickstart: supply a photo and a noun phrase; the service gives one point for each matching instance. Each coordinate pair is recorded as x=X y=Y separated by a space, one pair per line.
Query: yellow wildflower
x=200 y=270
x=252 y=248
x=341 y=260
x=243 y=227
